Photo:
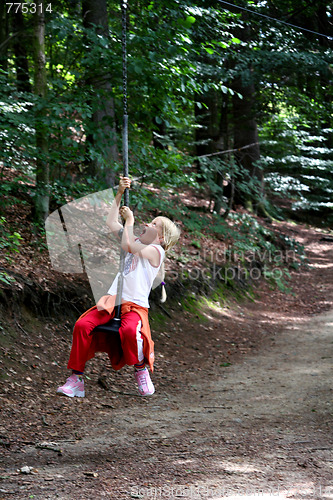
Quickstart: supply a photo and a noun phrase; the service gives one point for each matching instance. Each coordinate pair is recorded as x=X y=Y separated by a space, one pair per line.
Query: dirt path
x=259 y=428
x=242 y=409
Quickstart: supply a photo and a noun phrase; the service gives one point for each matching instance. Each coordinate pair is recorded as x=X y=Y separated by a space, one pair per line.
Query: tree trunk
x=104 y=137
x=4 y=36
x=245 y=125
x=223 y=145
x=21 y=59
x=246 y=134
x=207 y=131
x=40 y=87
x=325 y=26
x=159 y=133
x=207 y=117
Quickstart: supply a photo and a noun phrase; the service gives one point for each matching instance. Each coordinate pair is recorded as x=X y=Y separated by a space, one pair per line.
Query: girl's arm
x=112 y=219
x=129 y=243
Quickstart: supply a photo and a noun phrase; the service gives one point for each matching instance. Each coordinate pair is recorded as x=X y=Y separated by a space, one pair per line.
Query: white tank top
x=139 y=275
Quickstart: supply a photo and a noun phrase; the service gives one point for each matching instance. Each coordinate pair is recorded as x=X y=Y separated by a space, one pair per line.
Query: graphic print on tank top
x=131 y=262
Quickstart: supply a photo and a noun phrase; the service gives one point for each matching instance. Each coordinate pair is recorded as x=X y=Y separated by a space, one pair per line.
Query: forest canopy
x=231 y=98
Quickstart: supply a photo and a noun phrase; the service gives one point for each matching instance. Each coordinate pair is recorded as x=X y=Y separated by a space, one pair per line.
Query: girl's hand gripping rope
x=127 y=214
x=124 y=183
x=112 y=218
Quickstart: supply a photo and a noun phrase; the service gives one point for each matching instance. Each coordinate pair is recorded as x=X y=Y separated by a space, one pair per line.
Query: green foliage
x=246 y=185
x=64 y=191
x=210 y=168
x=162 y=168
x=194 y=222
x=9 y=242
x=14 y=190
x=178 y=52
x=16 y=131
x=6 y=278
x=279 y=278
x=299 y=164
x=196 y=243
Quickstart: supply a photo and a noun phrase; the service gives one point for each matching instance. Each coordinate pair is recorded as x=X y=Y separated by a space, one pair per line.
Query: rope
x=124 y=50
x=274 y=19
x=229 y=150
x=125 y=153
x=125 y=115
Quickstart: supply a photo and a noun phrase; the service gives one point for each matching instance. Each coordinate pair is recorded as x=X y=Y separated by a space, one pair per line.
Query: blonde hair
x=171 y=234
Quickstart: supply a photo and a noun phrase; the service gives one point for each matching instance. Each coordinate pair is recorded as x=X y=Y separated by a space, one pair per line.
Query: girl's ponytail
x=171 y=234
x=163 y=294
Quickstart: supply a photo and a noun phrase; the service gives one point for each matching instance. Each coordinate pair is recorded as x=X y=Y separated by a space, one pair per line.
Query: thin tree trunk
x=223 y=145
x=207 y=133
x=245 y=125
x=325 y=26
x=21 y=59
x=161 y=130
x=40 y=87
x=4 y=36
x=207 y=117
x=245 y=133
x=95 y=16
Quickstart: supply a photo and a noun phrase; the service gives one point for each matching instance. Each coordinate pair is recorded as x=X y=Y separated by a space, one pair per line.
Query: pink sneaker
x=145 y=385
x=74 y=387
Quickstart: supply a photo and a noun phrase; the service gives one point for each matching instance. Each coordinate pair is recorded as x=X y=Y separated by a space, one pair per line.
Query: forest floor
x=242 y=408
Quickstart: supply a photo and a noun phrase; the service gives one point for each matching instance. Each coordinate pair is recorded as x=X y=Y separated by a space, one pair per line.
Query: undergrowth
x=249 y=245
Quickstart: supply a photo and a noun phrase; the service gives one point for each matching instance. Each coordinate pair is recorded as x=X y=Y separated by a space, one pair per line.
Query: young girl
x=133 y=346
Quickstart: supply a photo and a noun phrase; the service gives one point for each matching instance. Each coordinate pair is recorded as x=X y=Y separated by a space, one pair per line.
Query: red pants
x=128 y=343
